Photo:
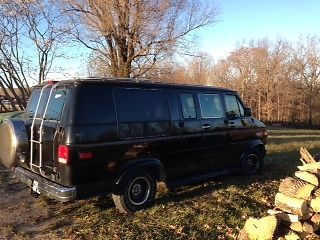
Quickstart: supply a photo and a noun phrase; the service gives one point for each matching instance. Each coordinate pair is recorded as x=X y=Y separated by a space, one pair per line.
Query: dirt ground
x=23 y=216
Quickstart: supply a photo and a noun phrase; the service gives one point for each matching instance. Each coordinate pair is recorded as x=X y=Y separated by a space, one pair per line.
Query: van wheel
x=136 y=192
x=252 y=162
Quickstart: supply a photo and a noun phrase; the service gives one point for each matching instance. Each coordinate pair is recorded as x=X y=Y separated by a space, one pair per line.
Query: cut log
x=308 y=177
x=303 y=235
x=282 y=216
x=315 y=218
x=315 y=172
x=310 y=227
x=291 y=236
x=293 y=187
x=263 y=228
x=308 y=214
x=309 y=166
x=315 y=204
x=306 y=156
x=297 y=226
x=290 y=204
x=315 y=226
x=316 y=193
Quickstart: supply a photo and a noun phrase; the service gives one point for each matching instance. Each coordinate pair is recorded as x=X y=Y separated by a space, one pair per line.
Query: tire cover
x=13 y=142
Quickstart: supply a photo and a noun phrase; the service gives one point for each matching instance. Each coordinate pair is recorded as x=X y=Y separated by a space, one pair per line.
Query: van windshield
x=54 y=108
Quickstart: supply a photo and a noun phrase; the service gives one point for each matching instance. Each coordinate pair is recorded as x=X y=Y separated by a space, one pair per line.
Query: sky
x=243 y=20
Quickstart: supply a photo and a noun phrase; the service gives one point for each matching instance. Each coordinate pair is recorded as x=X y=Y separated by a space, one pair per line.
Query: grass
x=211 y=210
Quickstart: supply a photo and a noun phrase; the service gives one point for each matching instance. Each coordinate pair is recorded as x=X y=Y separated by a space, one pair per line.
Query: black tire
x=252 y=162
x=136 y=191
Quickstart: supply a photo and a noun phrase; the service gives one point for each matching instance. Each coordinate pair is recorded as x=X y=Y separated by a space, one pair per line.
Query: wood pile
x=296 y=213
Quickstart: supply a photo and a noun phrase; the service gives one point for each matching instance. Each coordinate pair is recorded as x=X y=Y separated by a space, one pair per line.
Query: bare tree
x=47 y=28
x=12 y=61
x=28 y=30
x=134 y=35
x=306 y=60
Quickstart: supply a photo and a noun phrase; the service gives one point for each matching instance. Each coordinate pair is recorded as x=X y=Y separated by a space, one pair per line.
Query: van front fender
x=255 y=144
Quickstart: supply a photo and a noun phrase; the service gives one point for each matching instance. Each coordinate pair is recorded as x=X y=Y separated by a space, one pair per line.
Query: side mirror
x=247 y=112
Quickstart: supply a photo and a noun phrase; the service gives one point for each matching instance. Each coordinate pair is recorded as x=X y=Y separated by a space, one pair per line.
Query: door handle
x=206 y=126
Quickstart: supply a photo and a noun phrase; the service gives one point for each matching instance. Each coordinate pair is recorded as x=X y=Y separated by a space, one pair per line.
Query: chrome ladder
x=40 y=131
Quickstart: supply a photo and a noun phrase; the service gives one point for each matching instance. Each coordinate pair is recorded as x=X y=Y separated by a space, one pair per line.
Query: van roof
x=131 y=82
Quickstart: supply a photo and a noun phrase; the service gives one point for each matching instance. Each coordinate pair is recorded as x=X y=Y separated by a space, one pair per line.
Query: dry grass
x=212 y=210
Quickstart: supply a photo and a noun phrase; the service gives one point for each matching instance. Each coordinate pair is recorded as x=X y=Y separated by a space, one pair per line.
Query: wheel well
x=256 y=146
x=155 y=168
x=251 y=147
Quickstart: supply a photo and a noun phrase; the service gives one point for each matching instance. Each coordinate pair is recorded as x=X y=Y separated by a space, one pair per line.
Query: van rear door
x=44 y=114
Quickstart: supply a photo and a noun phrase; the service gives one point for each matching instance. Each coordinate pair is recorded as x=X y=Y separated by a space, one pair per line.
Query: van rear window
x=55 y=104
x=142 y=113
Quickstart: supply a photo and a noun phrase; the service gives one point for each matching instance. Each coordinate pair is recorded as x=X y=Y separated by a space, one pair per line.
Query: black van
x=93 y=136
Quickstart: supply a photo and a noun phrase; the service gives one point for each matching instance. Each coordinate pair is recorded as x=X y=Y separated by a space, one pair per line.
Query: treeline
x=279 y=80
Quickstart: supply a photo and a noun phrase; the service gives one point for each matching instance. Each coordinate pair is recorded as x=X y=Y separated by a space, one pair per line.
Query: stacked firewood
x=297 y=207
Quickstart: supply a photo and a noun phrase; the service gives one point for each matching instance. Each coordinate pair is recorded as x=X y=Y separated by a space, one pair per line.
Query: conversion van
x=89 y=137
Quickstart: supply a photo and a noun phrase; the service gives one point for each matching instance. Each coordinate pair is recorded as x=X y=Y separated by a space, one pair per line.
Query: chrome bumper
x=45 y=186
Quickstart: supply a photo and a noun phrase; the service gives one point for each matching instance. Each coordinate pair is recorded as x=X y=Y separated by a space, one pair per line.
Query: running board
x=201 y=178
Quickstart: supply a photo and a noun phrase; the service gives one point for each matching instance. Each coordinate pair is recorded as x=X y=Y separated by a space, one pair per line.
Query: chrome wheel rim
x=139 y=191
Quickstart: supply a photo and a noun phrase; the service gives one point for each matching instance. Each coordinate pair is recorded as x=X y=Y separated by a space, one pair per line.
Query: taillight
x=63 y=154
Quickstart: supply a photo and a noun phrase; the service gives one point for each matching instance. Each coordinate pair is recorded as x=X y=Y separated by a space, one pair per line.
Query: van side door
x=239 y=126
x=188 y=130
x=214 y=128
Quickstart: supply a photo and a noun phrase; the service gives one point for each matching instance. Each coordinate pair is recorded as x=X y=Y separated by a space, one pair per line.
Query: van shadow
x=277 y=166
x=208 y=189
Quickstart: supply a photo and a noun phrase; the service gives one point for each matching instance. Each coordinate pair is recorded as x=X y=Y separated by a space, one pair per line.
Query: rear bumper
x=45 y=186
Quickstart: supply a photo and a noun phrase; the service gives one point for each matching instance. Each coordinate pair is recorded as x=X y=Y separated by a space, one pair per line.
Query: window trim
x=194 y=103
x=201 y=112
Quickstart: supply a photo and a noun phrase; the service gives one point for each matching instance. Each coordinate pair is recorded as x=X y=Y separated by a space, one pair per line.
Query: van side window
x=188 y=106
x=210 y=105
x=234 y=107
x=142 y=113
x=95 y=105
